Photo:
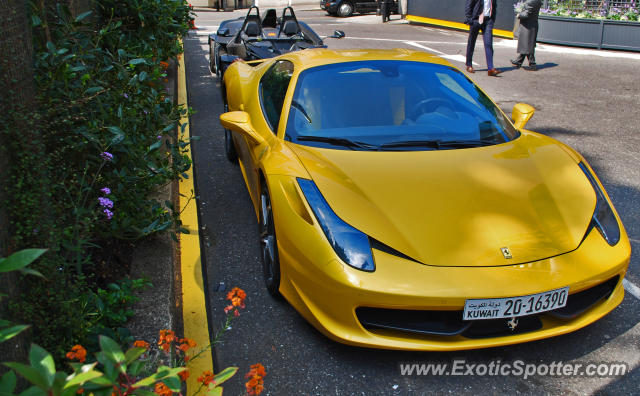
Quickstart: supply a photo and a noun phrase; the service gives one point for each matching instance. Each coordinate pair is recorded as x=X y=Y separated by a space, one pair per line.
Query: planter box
x=592 y=33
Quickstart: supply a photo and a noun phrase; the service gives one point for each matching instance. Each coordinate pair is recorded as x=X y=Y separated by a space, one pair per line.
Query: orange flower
x=206 y=378
x=236 y=296
x=184 y=375
x=80 y=391
x=166 y=338
x=141 y=344
x=164 y=65
x=162 y=390
x=255 y=385
x=77 y=353
x=186 y=344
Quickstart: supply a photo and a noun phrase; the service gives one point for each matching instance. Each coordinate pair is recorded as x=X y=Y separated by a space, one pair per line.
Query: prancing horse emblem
x=513 y=323
x=506 y=252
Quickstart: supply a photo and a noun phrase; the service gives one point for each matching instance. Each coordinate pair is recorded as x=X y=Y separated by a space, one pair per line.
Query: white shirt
x=487 y=8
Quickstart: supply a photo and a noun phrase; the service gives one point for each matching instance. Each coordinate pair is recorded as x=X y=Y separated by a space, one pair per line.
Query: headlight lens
x=350 y=244
x=603 y=218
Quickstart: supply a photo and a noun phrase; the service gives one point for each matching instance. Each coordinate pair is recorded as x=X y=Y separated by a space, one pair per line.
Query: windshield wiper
x=296 y=105
x=337 y=142
x=438 y=144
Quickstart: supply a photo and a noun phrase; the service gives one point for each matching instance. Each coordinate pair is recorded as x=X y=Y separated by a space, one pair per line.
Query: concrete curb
x=197 y=325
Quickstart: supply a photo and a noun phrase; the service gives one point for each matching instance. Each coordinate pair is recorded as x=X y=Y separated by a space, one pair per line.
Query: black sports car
x=345 y=8
x=254 y=37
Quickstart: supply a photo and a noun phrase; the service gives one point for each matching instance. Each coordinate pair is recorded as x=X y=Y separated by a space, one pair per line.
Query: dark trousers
x=531 y=57
x=487 y=36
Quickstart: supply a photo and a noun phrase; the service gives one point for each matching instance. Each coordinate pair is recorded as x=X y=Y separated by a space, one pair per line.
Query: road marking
x=194 y=314
x=457 y=58
x=631 y=288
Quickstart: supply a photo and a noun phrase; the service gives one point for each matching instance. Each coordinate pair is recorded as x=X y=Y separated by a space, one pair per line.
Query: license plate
x=496 y=308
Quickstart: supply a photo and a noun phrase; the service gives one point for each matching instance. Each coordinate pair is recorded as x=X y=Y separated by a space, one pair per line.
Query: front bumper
x=329 y=293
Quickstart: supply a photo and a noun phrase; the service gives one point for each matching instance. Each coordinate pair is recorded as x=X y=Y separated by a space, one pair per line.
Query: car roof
x=310 y=58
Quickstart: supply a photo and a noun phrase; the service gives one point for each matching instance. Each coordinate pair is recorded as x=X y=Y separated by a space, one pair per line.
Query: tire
x=212 y=58
x=229 y=147
x=269 y=243
x=219 y=51
x=345 y=9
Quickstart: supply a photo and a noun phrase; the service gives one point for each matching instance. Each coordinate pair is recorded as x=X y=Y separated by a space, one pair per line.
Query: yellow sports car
x=400 y=208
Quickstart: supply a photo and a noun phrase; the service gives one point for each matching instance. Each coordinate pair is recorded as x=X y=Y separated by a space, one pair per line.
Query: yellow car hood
x=460 y=207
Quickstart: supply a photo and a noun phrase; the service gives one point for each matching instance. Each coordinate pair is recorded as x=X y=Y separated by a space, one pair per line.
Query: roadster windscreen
x=393 y=105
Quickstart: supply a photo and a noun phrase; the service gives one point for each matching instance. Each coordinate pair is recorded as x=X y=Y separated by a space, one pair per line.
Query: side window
x=273 y=88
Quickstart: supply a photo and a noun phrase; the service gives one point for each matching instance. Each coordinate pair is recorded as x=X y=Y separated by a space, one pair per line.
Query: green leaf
x=93 y=90
x=133 y=354
x=118 y=134
x=8 y=382
x=162 y=373
x=173 y=383
x=35 y=20
x=83 y=16
x=155 y=146
x=144 y=392
x=113 y=352
x=42 y=361
x=20 y=259
x=81 y=378
x=135 y=367
x=11 y=332
x=31 y=374
x=217 y=391
x=29 y=271
x=225 y=374
x=34 y=391
x=51 y=47
x=137 y=61
x=142 y=76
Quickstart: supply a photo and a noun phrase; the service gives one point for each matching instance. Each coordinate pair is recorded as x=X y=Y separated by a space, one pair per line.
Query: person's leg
x=487 y=36
x=471 y=42
x=517 y=62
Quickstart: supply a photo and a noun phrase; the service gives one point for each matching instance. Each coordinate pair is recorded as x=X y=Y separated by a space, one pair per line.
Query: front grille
x=450 y=323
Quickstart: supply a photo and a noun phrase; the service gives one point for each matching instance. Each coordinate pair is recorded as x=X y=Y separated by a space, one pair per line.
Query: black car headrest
x=270 y=19
x=290 y=28
x=252 y=29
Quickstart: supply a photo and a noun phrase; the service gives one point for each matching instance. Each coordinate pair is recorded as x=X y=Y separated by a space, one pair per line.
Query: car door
x=272 y=90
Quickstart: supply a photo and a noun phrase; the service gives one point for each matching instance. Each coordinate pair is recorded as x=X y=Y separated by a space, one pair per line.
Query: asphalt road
x=585 y=98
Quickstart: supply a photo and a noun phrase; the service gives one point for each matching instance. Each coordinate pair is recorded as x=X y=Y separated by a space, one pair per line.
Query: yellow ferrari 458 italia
x=400 y=208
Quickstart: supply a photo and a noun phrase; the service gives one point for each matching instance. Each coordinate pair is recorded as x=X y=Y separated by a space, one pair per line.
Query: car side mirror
x=223 y=32
x=239 y=121
x=521 y=114
x=338 y=34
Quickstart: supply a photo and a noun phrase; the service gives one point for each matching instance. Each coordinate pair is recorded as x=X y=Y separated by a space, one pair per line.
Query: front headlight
x=350 y=244
x=603 y=218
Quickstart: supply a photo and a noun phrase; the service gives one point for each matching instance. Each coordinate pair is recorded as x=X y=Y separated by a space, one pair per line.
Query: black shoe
x=531 y=67
x=516 y=63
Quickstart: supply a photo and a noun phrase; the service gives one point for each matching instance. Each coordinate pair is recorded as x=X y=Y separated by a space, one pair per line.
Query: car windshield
x=393 y=106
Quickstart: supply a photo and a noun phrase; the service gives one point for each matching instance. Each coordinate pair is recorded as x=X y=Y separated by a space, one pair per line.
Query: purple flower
x=125 y=95
x=106 y=156
x=145 y=112
x=108 y=213
x=105 y=202
x=106 y=190
x=159 y=137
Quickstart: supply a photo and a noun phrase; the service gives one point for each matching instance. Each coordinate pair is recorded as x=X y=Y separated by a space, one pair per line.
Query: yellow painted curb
x=194 y=314
x=455 y=25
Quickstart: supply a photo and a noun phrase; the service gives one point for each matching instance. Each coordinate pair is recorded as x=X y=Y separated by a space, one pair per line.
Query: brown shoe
x=470 y=69
x=493 y=72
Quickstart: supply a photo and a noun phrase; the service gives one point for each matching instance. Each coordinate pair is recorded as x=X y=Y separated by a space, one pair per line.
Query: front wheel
x=212 y=57
x=269 y=244
x=229 y=147
x=345 y=9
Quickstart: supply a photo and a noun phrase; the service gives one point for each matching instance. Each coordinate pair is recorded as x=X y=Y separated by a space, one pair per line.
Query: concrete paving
x=587 y=99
